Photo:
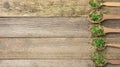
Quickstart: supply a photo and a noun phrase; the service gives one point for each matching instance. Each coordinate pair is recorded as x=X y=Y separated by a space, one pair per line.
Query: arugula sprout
x=99 y=43
x=94 y=3
x=96 y=16
x=97 y=30
x=99 y=60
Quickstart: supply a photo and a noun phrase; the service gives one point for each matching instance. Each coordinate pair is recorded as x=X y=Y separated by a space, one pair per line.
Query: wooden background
x=51 y=33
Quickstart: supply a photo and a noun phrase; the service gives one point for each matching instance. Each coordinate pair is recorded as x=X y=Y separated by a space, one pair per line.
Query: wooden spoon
x=108 y=45
x=105 y=17
x=112 y=45
x=108 y=17
x=110 y=4
x=113 y=62
x=110 y=30
x=116 y=62
x=97 y=4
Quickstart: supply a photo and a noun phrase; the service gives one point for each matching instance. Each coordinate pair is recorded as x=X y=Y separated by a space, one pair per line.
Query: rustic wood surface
x=52 y=48
x=49 y=63
x=60 y=39
x=46 y=63
x=44 y=48
x=49 y=8
x=43 y=8
x=51 y=27
x=44 y=27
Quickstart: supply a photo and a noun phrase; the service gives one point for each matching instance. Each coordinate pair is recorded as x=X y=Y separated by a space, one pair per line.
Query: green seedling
x=95 y=16
x=95 y=4
x=99 y=60
x=98 y=43
x=97 y=30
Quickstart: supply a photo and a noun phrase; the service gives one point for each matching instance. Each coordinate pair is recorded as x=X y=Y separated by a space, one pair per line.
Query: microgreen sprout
x=94 y=3
x=97 y=30
x=99 y=60
x=98 y=43
x=96 y=16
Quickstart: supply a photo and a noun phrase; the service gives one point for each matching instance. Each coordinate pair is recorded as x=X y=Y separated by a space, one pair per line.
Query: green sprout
x=99 y=43
x=96 y=16
x=94 y=3
x=99 y=60
x=97 y=30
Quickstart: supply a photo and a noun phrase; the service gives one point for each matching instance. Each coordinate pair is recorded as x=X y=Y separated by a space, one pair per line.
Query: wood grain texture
x=51 y=48
x=51 y=27
x=44 y=27
x=50 y=42
x=44 y=48
x=43 y=8
x=46 y=63
x=49 y=63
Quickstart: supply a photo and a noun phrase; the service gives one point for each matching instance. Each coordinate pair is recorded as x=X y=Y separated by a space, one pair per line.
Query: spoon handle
x=113 y=45
x=106 y=17
x=114 y=61
x=111 y=4
x=110 y=30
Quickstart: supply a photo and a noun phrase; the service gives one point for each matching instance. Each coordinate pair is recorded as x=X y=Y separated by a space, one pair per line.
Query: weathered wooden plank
x=110 y=65
x=44 y=27
x=43 y=8
x=44 y=48
x=49 y=8
x=51 y=48
x=112 y=23
x=44 y=63
x=50 y=27
x=49 y=63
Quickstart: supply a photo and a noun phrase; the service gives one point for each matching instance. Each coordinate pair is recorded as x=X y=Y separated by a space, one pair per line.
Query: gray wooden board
x=49 y=63
x=50 y=27
x=49 y=8
x=52 y=48
x=44 y=48
x=44 y=27
x=46 y=63
x=55 y=46
x=43 y=8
